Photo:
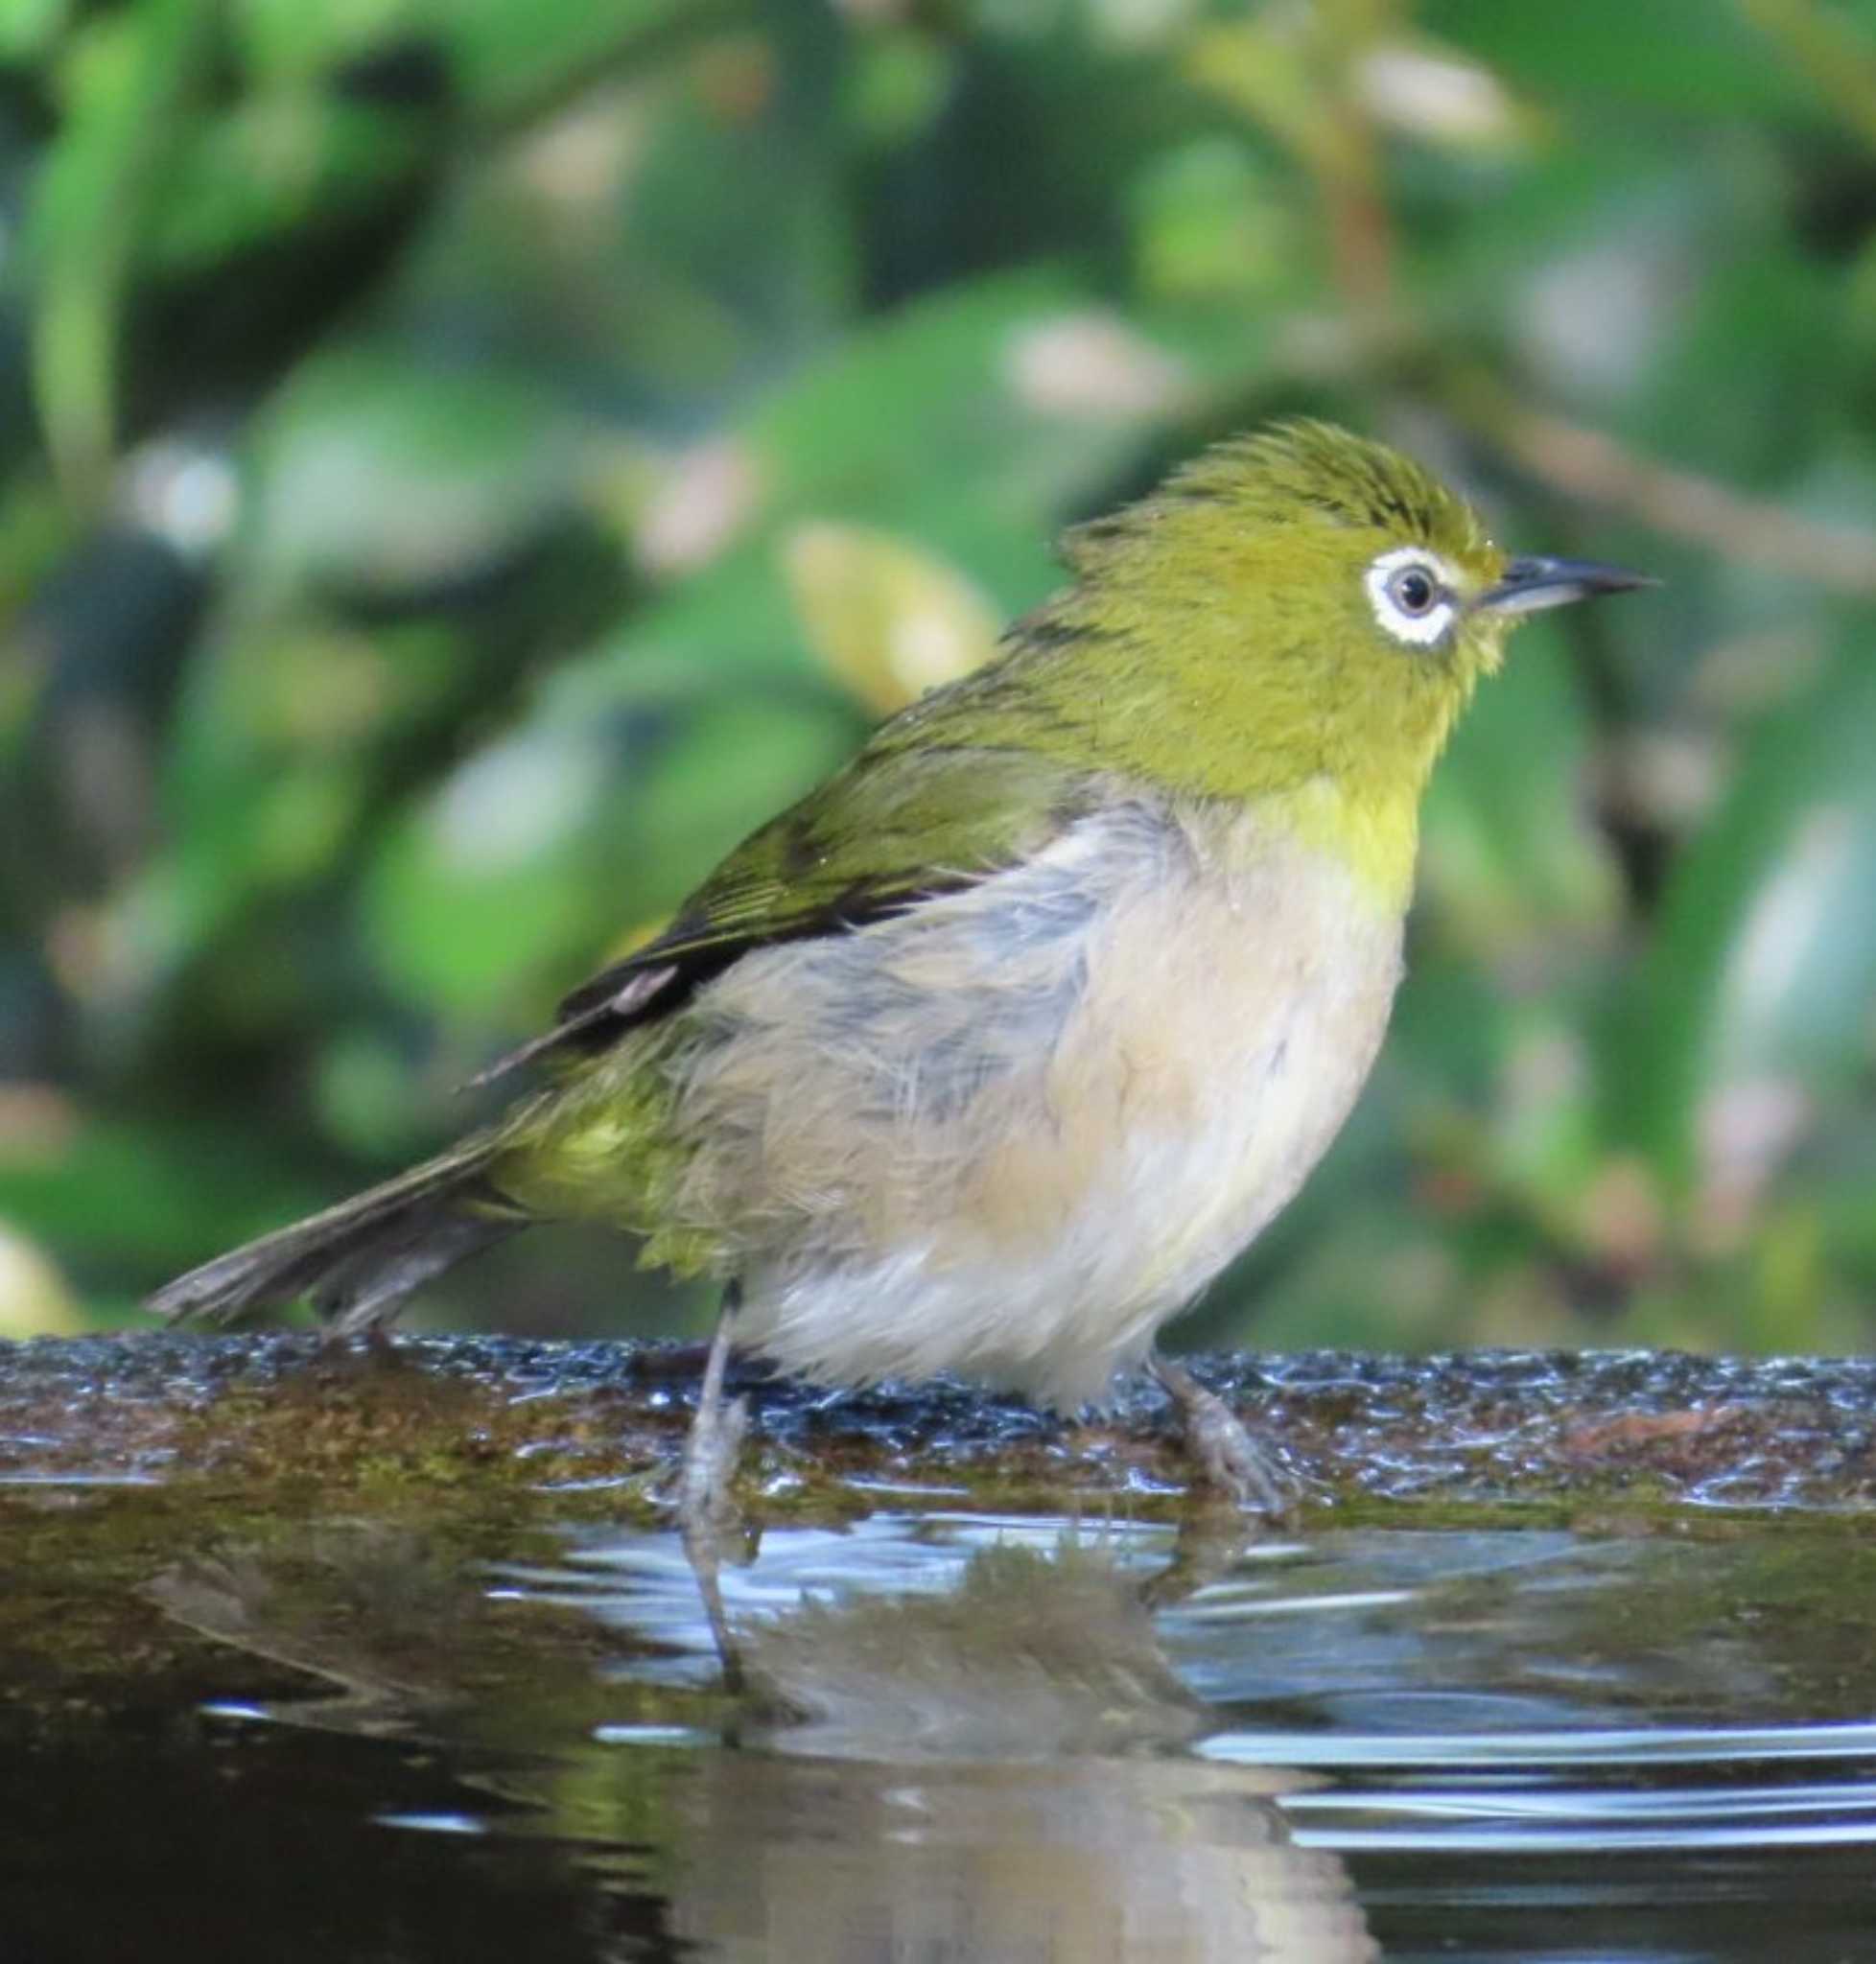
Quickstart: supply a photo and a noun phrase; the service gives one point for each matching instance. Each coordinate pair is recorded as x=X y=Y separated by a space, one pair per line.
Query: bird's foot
x=705 y=1504
x=1224 y=1455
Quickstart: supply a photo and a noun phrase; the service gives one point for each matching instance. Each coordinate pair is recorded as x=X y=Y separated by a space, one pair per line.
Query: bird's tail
x=357 y=1261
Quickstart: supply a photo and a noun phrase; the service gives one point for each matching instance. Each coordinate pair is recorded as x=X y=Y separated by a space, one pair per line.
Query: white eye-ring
x=1411 y=591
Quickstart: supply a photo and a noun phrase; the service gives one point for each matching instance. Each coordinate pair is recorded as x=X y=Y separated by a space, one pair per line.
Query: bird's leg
x=1223 y=1451
x=716 y=1437
x=705 y=1512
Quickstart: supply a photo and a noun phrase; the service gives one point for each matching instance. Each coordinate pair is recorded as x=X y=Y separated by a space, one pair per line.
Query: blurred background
x=463 y=464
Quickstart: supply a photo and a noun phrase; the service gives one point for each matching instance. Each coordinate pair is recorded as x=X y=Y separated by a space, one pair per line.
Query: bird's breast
x=1012 y=1129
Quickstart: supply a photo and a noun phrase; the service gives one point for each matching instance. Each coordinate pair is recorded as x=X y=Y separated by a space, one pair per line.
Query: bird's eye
x=1410 y=591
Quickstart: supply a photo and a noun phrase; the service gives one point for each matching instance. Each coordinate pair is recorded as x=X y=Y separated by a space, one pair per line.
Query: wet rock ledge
x=425 y=1419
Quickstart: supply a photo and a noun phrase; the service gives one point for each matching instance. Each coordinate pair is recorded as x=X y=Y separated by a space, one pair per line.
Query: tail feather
x=357 y=1261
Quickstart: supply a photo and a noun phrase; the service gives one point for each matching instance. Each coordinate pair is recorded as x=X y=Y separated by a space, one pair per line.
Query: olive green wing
x=900 y=824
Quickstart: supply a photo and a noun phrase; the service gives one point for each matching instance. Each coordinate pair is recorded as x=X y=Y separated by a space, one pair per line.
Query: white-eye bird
x=992 y=1051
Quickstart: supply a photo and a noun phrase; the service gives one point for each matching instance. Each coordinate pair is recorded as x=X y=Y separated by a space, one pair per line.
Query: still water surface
x=975 y=1738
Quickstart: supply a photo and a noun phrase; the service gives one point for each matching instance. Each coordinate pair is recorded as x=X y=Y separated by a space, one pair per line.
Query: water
x=968 y=1737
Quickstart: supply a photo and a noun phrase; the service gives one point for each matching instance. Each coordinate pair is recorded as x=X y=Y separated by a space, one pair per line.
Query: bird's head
x=1300 y=605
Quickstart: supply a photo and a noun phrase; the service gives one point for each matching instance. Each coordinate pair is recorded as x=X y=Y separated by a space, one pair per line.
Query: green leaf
x=286 y=161
x=132 y=82
x=1762 y=983
x=145 y=1195
x=1511 y=858
x=379 y=476
x=1684 y=57
x=30 y=28
x=492 y=875
x=506 y=883
x=976 y=419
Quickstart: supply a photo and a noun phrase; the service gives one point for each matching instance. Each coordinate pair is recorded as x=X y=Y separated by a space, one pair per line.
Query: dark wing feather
x=900 y=824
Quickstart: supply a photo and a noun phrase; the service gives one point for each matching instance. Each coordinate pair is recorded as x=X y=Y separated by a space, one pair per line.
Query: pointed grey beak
x=1531 y=585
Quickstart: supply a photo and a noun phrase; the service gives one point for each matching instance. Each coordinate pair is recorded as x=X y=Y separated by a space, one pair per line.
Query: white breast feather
x=1011 y=1131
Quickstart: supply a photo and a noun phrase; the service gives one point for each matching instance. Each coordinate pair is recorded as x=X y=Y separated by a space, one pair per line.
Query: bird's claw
x=1225 y=1458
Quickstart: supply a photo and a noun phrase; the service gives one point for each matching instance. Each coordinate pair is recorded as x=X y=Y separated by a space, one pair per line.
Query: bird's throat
x=1370 y=832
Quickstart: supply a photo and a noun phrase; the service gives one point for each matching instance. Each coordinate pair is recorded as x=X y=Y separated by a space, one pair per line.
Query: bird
x=992 y=1051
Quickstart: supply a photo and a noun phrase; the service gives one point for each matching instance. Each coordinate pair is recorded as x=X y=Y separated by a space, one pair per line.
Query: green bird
x=989 y=1054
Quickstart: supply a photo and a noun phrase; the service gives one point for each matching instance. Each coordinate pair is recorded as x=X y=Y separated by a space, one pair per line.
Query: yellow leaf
x=1279 y=76
x=34 y=1301
x=889 y=620
x=1421 y=88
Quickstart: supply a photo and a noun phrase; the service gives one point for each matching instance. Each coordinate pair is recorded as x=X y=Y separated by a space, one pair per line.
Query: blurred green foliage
x=462 y=464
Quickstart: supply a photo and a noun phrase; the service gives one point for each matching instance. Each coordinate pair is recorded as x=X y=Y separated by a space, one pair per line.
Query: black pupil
x=1414 y=591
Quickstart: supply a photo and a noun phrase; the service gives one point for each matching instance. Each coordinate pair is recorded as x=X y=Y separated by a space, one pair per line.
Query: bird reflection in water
x=995 y=1774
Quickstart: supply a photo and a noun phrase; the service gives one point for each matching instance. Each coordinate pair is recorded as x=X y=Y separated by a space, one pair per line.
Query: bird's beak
x=1531 y=585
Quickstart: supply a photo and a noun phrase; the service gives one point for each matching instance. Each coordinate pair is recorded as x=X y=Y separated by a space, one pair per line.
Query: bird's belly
x=1012 y=1131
